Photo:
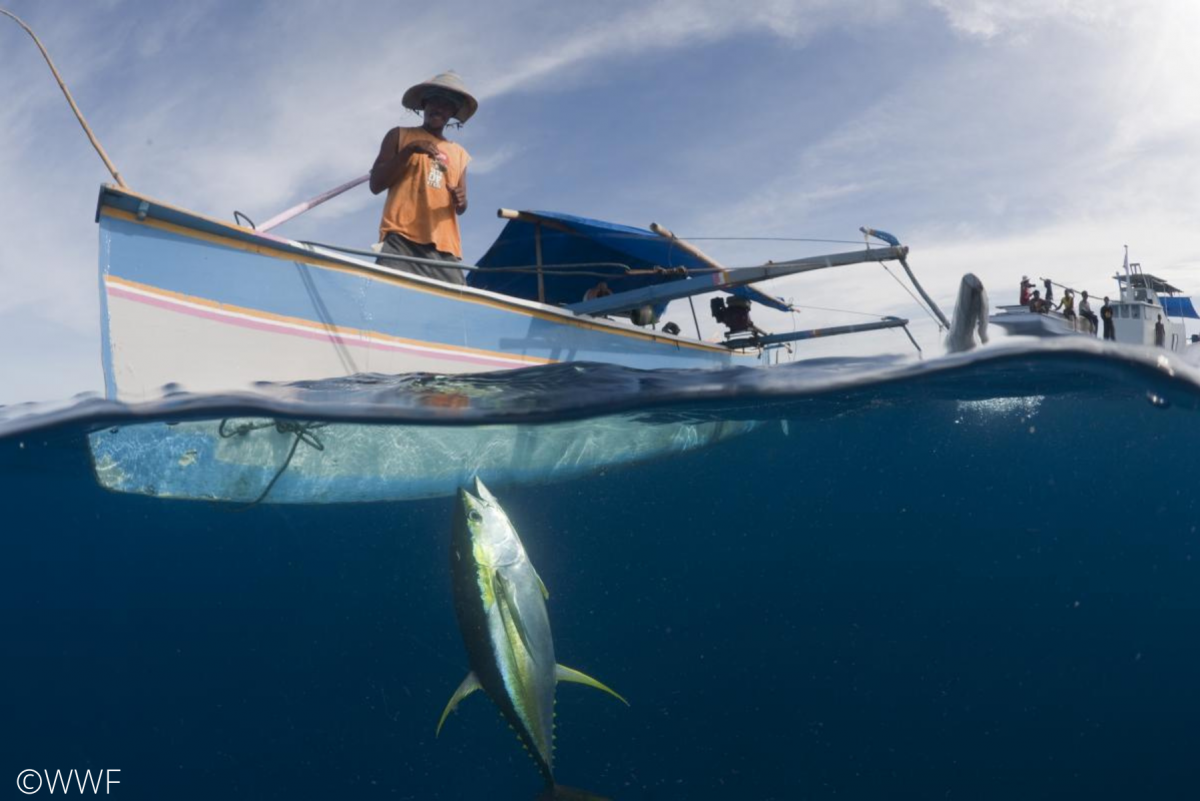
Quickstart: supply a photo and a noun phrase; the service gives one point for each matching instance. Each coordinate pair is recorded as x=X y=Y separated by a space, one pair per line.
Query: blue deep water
x=970 y=578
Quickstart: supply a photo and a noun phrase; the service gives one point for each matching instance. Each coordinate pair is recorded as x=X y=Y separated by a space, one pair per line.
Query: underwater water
x=976 y=577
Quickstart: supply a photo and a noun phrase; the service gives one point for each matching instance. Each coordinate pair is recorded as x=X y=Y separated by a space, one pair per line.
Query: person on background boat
x=1067 y=305
x=1026 y=285
x=1036 y=304
x=425 y=176
x=600 y=290
x=1160 y=333
x=1049 y=293
x=1106 y=314
x=1085 y=311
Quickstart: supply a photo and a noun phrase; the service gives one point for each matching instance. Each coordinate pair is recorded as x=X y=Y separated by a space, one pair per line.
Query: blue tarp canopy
x=572 y=244
x=1179 y=307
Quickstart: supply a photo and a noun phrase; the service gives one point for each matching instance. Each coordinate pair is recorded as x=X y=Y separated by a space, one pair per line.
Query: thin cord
x=301 y=431
x=639 y=236
x=766 y=239
x=840 y=311
x=78 y=114
x=916 y=300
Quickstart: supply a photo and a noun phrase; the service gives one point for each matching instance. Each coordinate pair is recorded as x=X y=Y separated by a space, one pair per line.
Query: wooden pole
x=686 y=246
x=537 y=247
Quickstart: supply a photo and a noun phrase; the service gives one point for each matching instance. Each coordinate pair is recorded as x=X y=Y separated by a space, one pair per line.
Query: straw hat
x=414 y=98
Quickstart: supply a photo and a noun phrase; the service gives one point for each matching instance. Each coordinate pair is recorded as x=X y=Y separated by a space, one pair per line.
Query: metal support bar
x=704 y=258
x=816 y=333
x=891 y=240
x=921 y=289
x=537 y=248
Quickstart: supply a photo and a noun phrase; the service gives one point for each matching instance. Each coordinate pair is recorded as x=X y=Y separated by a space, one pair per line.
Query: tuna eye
x=474 y=516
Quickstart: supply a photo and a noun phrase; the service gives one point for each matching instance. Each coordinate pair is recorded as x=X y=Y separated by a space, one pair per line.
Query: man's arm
x=459 y=193
x=391 y=162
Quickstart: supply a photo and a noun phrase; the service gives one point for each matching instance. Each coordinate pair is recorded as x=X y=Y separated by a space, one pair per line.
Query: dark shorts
x=394 y=243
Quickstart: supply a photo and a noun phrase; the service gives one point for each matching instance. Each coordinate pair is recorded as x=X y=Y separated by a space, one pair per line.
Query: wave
x=584 y=390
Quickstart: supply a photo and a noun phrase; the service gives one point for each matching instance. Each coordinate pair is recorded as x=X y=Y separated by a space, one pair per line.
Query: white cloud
x=989 y=19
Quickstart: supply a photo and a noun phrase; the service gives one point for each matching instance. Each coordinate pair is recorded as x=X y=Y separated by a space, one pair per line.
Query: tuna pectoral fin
x=564 y=673
x=469 y=685
x=560 y=793
x=541 y=585
x=510 y=611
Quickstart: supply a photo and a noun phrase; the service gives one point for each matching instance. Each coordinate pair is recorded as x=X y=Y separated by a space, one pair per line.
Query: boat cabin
x=1142 y=299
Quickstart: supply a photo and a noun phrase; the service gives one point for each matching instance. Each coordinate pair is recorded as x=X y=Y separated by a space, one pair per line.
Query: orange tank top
x=419 y=205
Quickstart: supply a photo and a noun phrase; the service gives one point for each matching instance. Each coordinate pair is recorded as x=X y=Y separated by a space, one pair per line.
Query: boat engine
x=734 y=314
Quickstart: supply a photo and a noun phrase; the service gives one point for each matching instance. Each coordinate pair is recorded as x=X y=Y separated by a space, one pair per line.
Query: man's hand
x=459 y=193
x=426 y=147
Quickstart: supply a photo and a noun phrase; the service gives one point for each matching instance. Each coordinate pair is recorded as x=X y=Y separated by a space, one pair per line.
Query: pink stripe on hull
x=274 y=328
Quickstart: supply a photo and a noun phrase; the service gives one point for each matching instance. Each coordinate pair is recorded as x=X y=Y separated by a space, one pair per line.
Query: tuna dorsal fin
x=469 y=685
x=511 y=612
x=564 y=673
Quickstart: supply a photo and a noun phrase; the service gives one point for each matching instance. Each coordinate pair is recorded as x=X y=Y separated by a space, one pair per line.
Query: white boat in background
x=1018 y=320
x=1142 y=299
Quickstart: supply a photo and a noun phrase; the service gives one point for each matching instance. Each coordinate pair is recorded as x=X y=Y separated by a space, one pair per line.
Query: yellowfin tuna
x=500 y=602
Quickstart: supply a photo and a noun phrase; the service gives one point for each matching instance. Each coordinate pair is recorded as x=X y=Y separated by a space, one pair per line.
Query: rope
x=681 y=237
x=840 y=311
x=302 y=431
x=766 y=239
x=78 y=114
x=916 y=300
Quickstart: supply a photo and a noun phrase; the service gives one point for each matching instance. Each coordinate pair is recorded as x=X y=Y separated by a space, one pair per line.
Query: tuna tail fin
x=564 y=673
x=558 y=792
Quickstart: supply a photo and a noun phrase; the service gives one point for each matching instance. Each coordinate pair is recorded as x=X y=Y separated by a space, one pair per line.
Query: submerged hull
x=249 y=460
x=214 y=307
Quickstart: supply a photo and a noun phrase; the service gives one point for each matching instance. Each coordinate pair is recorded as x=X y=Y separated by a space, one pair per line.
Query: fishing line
x=840 y=311
x=339 y=345
x=916 y=300
x=66 y=92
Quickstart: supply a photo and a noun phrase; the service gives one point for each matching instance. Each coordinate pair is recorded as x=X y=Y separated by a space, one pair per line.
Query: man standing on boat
x=425 y=176
x=1106 y=316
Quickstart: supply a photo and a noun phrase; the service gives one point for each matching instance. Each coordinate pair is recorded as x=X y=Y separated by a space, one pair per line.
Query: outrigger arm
x=728 y=279
x=891 y=240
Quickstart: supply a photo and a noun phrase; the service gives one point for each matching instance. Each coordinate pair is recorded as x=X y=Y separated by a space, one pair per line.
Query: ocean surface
x=975 y=577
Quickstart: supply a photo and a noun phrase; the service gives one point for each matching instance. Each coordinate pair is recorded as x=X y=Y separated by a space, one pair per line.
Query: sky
x=1005 y=138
